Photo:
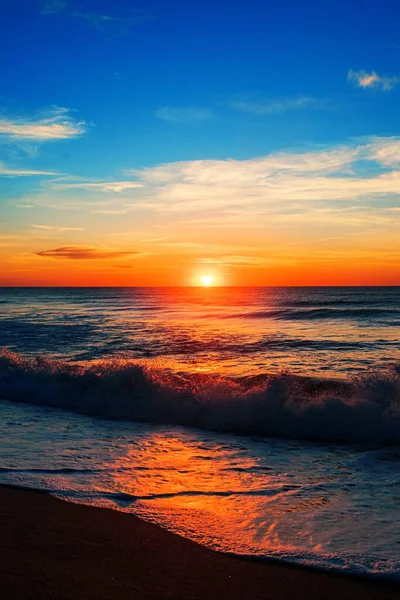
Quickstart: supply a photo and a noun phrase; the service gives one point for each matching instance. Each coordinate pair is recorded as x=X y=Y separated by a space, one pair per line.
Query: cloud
x=84 y=253
x=243 y=261
x=152 y=240
x=56 y=125
x=386 y=151
x=282 y=187
x=338 y=185
x=252 y=172
x=9 y=240
x=5 y=171
x=55 y=228
x=275 y=107
x=109 y=211
x=104 y=22
x=365 y=79
x=100 y=186
x=191 y=114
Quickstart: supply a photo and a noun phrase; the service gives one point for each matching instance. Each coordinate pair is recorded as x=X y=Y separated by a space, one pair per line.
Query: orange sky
x=293 y=218
x=175 y=270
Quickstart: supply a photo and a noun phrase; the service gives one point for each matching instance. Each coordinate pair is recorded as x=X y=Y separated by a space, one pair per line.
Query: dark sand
x=53 y=549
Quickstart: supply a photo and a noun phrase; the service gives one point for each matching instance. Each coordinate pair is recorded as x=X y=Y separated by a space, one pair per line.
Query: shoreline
x=55 y=549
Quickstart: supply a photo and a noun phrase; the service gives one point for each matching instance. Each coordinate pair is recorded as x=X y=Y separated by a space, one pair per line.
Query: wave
x=362 y=409
x=77 y=338
x=382 y=302
x=64 y=471
x=312 y=314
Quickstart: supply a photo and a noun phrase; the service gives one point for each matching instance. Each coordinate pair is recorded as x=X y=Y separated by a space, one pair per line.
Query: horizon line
x=202 y=287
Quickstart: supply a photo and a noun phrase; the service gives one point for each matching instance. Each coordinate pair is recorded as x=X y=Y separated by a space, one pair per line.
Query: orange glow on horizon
x=173 y=269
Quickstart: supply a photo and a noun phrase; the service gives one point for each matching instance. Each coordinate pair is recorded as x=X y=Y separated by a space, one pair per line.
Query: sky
x=154 y=143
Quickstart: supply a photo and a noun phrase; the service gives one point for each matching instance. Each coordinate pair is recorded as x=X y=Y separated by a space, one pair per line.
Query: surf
x=363 y=408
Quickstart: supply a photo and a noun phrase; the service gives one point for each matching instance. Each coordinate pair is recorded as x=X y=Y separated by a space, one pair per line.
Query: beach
x=55 y=549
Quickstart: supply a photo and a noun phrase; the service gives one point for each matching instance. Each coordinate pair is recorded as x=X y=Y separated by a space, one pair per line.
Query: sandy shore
x=53 y=549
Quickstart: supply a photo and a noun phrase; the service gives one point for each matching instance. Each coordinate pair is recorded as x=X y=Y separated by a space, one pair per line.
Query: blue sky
x=123 y=86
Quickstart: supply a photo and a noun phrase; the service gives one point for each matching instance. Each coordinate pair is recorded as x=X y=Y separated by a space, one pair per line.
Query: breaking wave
x=362 y=409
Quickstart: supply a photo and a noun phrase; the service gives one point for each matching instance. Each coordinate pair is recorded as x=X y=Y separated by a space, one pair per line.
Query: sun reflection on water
x=260 y=496
x=224 y=496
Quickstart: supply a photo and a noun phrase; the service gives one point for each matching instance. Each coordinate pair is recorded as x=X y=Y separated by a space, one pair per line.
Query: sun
x=207 y=280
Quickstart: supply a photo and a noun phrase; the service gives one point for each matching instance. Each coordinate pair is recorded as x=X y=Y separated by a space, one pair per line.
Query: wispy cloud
x=5 y=171
x=109 y=211
x=57 y=124
x=386 y=151
x=152 y=240
x=10 y=240
x=84 y=253
x=115 y=24
x=252 y=172
x=276 y=106
x=191 y=114
x=371 y=79
x=55 y=228
x=282 y=186
x=341 y=185
x=100 y=186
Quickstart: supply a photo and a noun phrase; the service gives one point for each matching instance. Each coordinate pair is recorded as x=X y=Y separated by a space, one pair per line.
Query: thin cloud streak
x=278 y=106
x=7 y=172
x=191 y=114
x=101 y=186
x=56 y=125
x=84 y=253
x=55 y=228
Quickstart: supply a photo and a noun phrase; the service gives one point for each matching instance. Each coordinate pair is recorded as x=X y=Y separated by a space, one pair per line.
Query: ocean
x=262 y=422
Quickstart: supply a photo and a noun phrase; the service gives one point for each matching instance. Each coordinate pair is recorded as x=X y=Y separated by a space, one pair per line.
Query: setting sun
x=207 y=280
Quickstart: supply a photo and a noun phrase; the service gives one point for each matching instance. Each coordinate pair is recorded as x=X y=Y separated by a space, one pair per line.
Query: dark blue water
x=240 y=331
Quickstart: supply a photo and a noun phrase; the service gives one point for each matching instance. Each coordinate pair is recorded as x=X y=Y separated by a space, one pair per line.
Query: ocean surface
x=256 y=421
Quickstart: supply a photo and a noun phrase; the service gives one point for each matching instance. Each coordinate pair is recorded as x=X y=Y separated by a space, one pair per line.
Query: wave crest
x=362 y=409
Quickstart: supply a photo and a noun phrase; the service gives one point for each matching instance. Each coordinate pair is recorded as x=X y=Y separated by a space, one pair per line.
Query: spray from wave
x=363 y=409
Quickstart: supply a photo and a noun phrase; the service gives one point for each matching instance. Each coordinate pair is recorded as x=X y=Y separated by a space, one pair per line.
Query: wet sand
x=54 y=549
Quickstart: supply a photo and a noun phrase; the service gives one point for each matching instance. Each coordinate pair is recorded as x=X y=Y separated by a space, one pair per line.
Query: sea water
x=261 y=422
